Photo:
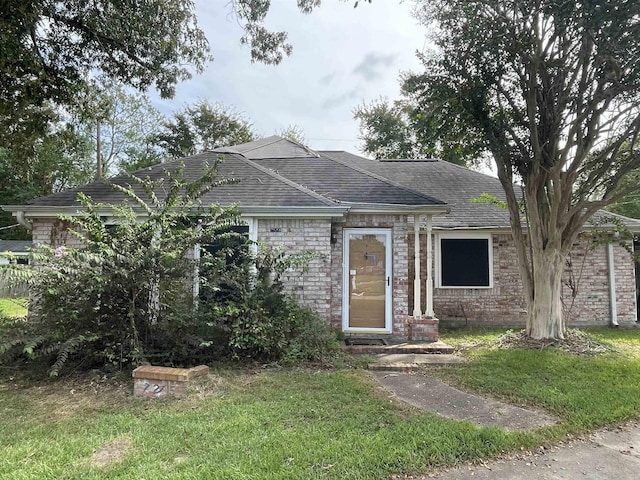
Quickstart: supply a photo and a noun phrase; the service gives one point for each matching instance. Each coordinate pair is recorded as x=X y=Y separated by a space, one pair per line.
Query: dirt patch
x=575 y=343
x=111 y=452
x=53 y=399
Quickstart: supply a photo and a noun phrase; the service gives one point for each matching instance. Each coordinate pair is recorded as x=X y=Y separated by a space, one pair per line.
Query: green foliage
x=126 y=297
x=203 y=126
x=248 y=302
x=128 y=124
x=114 y=300
x=551 y=89
x=55 y=161
x=50 y=47
x=293 y=132
x=408 y=129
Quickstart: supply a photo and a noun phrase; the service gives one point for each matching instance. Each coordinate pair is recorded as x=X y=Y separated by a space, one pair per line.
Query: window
x=465 y=261
x=228 y=254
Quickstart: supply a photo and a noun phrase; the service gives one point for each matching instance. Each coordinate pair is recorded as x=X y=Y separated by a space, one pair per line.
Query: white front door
x=367 y=282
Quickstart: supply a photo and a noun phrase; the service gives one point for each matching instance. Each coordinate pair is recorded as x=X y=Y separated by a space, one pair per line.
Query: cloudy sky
x=341 y=56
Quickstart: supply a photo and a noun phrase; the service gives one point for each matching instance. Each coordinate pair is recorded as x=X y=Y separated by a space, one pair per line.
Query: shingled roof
x=276 y=174
x=270 y=173
x=458 y=187
x=455 y=185
x=256 y=186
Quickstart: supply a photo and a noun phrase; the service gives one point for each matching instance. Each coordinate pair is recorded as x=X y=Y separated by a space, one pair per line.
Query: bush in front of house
x=255 y=315
x=127 y=297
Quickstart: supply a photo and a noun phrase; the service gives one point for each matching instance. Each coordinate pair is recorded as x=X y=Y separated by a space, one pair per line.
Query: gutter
x=22 y=220
x=612 y=286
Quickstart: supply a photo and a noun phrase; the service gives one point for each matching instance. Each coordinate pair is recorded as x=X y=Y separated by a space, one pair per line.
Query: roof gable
x=270 y=147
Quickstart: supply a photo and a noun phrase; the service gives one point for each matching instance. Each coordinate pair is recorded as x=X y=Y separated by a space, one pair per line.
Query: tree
x=294 y=133
x=58 y=160
x=201 y=127
x=126 y=296
x=553 y=89
x=50 y=48
x=128 y=124
x=407 y=129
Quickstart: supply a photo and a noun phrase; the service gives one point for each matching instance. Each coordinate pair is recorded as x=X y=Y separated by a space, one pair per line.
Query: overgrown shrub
x=126 y=297
x=261 y=320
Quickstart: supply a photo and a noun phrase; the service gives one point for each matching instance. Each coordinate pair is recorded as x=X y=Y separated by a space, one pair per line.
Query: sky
x=341 y=57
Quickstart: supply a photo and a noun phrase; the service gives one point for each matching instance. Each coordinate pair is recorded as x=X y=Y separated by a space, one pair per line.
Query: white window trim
x=466 y=235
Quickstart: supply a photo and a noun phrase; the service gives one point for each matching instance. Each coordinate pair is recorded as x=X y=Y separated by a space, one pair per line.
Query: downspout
x=612 y=286
x=23 y=221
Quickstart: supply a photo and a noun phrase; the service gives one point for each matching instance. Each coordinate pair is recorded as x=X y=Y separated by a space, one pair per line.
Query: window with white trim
x=465 y=261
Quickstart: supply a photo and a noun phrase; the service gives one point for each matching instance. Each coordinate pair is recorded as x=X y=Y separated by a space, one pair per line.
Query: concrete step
x=407 y=362
x=401 y=348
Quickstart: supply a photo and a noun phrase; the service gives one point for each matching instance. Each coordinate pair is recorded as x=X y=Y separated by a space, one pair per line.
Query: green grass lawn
x=13 y=307
x=304 y=423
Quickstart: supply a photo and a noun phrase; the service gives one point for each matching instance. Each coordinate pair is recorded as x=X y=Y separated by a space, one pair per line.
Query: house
x=362 y=216
x=14 y=251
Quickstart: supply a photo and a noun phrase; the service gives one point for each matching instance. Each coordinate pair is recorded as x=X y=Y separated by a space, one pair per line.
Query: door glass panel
x=367 y=280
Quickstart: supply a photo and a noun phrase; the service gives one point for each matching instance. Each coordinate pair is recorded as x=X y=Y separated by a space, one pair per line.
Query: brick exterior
x=312 y=288
x=400 y=266
x=587 y=275
x=53 y=232
x=320 y=287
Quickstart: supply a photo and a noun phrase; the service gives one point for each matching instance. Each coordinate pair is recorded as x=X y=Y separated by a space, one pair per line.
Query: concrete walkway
x=607 y=454
x=433 y=395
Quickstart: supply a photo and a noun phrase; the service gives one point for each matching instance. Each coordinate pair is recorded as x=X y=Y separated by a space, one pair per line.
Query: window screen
x=464 y=262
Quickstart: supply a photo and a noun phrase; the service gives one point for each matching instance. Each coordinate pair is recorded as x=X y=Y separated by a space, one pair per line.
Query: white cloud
x=334 y=49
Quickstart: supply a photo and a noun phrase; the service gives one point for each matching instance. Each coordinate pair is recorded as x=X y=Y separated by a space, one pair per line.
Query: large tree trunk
x=544 y=313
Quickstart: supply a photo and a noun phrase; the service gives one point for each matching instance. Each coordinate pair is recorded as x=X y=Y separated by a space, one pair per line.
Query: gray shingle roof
x=275 y=172
x=455 y=185
x=15 y=246
x=256 y=186
x=270 y=147
x=272 y=172
x=345 y=183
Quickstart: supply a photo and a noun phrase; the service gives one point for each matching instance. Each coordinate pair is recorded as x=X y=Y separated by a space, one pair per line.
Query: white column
x=417 y=294
x=612 y=285
x=429 y=310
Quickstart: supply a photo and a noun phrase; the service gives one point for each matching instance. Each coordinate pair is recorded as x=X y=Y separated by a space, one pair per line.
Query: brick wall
x=53 y=232
x=312 y=288
x=585 y=289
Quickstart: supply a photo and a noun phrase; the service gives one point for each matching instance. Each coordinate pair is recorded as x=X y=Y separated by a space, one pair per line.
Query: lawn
x=304 y=423
x=13 y=307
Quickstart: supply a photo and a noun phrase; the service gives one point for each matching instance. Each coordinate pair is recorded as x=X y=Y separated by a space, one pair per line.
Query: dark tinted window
x=464 y=262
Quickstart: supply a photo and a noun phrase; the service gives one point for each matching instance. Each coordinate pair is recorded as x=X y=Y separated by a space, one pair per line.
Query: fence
x=13 y=291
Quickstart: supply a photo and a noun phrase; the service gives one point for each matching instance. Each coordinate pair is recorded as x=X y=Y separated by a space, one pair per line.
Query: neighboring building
x=14 y=251
x=360 y=216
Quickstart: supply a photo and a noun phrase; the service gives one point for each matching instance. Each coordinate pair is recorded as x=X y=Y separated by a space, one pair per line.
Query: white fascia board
x=51 y=211
x=398 y=208
x=293 y=212
x=489 y=229
x=249 y=211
